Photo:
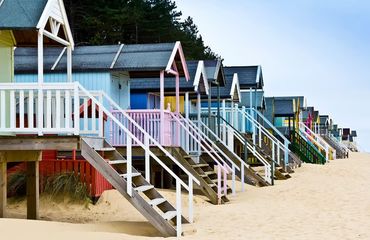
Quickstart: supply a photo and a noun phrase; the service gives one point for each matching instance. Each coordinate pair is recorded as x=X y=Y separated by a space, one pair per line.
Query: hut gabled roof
x=141 y=60
x=249 y=76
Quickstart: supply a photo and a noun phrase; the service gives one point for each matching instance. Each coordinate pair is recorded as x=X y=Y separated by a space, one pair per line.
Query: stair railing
x=282 y=150
x=206 y=130
x=229 y=133
x=306 y=149
x=339 y=144
x=208 y=146
x=318 y=141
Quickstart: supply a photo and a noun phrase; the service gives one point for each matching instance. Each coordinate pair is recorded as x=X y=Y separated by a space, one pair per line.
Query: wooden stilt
x=2 y=187
x=33 y=190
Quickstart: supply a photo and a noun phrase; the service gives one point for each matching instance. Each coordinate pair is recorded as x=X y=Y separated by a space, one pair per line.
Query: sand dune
x=318 y=202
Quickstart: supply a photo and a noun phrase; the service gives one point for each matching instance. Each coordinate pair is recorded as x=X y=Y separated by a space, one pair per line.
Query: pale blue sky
x=319 y=49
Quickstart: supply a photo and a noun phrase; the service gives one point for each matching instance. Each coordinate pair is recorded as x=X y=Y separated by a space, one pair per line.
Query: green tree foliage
x=135 y=21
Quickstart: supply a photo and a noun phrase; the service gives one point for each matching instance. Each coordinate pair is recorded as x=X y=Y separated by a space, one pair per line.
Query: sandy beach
x=318 y=202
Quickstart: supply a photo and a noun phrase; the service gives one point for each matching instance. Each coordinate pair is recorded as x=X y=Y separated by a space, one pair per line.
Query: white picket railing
x=52 y=108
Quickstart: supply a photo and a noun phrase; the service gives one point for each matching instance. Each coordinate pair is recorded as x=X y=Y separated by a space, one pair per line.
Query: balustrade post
x=76 y=109
x=101 y=116
x=129 y=164
x=147 y=158
x=178 y=209
x=191 y=216
x=243 y=119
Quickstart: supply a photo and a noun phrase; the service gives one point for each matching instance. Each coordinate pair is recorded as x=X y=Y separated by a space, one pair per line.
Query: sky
x=318 y=49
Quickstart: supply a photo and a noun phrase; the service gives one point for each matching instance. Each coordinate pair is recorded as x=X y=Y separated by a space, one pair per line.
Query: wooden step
x=210 y=173
x=144 y=188
x=212 y=185
x=156 y=201
x=200 y=165
x=115 y=162
x=134 y=174
x=169 y=215
x=107 y=149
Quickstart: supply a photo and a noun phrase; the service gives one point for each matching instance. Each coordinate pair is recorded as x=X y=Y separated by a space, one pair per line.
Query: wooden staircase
x=280 y=173
x=252 y=177
x=340 y=151
x=206 y=175
x=145 y=198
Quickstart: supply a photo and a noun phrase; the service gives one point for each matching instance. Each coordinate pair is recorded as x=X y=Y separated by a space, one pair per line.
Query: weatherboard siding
x=6 y=66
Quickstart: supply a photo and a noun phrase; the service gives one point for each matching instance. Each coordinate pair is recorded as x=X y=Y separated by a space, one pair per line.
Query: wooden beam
x=3 y=189
x=39 y=143
x=33 y=190
x=20 y=156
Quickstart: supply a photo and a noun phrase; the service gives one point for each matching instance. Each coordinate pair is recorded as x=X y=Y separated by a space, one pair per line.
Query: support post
x=199 y=120
x=69 y=63
x=33 y=189
x=187 y=109
x=177 y=93
x=129 y=164
x=218 y=111
x=40 y=78
x=224 y=117
x=161 y=103
x=191 y=216
x=3 y=189
x=209 y=104
x=76 y=110
x=147 y=158
x=243 y=119
x=178 y=209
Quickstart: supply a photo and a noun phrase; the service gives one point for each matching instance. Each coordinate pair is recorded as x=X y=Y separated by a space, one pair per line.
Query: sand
x=318 y=202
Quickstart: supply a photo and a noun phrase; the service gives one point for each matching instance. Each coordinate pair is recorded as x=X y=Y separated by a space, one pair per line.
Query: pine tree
x=135 y=21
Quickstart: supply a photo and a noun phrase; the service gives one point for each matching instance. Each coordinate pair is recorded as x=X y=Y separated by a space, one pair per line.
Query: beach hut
x=26 y=23
x=324 y=124
x=251 y=85
x=66 y=116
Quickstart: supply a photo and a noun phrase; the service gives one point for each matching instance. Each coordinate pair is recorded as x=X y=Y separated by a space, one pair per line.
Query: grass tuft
x=67 y=185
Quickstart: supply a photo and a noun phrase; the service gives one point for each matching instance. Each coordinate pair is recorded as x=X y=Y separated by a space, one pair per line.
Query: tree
x=134 y=21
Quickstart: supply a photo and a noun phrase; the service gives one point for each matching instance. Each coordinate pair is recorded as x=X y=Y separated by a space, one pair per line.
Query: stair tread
x=200 y=165
x=169 y=215
x=157 y=201
x=134 y=174
x=144 y=188
x=212 y=185
x=210 y=173
x=114 y=162
x=106 y=149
